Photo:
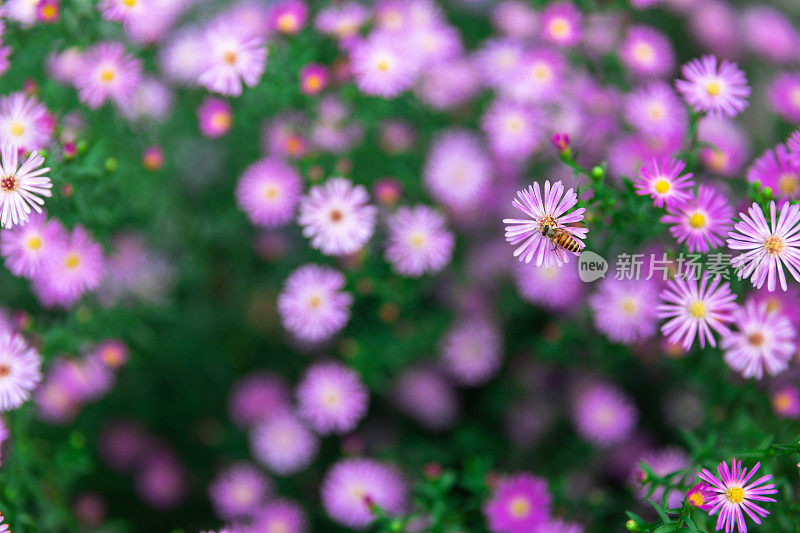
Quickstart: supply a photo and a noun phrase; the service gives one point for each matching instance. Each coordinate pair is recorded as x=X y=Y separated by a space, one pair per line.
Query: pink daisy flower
x=702 y=221
x=19 y=371
x=520 y=502
x=762 y=342
x=734 y=496
x=382 y=66
x=657 y=111
x=313 y=78
x=337 y=217
x=603 y=414
x=418 y=241
x=786 y=402
x=268 y=192
x=716 y=90
x=554 y=288
x=26 y=248
x=237 y=491
x=342 y=21
x=256 y=397
x=124 y=10
x=729 y=145
x=768 y=249
x=539 y=77
x=663 y=182
x=695 y=308
x=288 y=16
x=214 y=117
x=234 y=56
x=561 y=23
x=427 y=396
x=332 y=398
x=312 y=305
x=282 y=516
x=21 y=186
x=24 y=122
x=625 y=310
x=548 y=209
x=513 y=129
x=647 y=52
x=779 y=170
x=663 y=463
x=284 y=444
x=701 y=496
x=472 y=351
x=783 y=95
x=108 y=72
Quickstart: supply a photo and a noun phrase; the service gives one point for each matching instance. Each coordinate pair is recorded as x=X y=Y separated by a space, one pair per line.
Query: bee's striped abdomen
x=566 y=241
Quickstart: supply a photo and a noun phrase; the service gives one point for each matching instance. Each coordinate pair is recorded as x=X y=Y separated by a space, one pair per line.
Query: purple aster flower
x=700 y=496
x=281 y=516
x=337 y=217
x=233 y=56
x=21 y=186
x=449 y=84
x=647 y=52
x=702 y=221
x=729 y=145
x=237 y=491
x=472 y=351
x=312 y=305
x=427 y=397
x=332 y=398
x=181 y=58
x=352 y=486
x=151 y=100
x=418 y=241
x=768 y=248
x=779 y=170
x=431 y=45
x=603 y=414
x=695 y=308
x=214 y=117
x=160 y=480
x=256 y=397
x=124 y=10
x=770 y=34
x=77 y=266
x=663 y=182
x=516 y=19
x=19 y=371
x=786 y=402
x=733 y=494
x=283 y=444
x=513 y=129
x=762 y=342
x=561 y=23
x=518 y=503
x=342 y=21
x=26 y=248
x=625 y=310
x=24 y=122
x=554 y=288
x=717 y=91
x=288 y=16
x=107 y=72
x=793 y=144
x=663 y=463
x=268 y=192
x=656 y=110
x=782 y=303
x=457 y=171
x=539 y=77
x=548 y=209
x=382 y=66
x=498 y=60
x=783 y=95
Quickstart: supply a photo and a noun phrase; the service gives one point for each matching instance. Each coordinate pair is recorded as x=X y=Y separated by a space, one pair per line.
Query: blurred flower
x=90 y=509
x=729 y=145
x=513 y=129
x=663 y=182
x=342 y=20
x=153 y=158
x=283 y=443
x=778 y=170
x=24 y=122
x=107 y=72
x=19 y=370
x=313 y=78
x=733 y=494
x=768 y=248
x=382 y=66
x=332 y=398
x=426 y=396
x=113 y=353
x=238 y=491
x=449 y=84
x=656 y=110
x=283 y=516
x=763 y=341
x=515 y=19
x=625 y=310
x=561 y=23
x=396 y=136
x=603 y=414
x=555 y=288
x=418 y=241
x=351 y=486
x=548 y=210
x=457 y=171
x=520 y=502
x=21 y=186
x=288 y=16
x=537 y=77
x=719 y=90
x=161 y=480
x=701 y=221
x=783 y=95
x=214 y=117
x=786 y=402
x=472 y=351
x=26 y=248
x=647 y=52
x=257 y=397
x=181 y=58
x=152 y=100
x=770 y=34
x=268 y=191
x=337 y=217
x=233 y=57
x=664 y=463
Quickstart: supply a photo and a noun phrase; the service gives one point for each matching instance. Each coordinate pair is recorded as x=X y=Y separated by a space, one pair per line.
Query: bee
x=561 y=238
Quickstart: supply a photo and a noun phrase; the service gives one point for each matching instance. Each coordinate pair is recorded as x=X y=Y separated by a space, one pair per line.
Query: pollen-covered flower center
x=34 y=242
x=4 y=370
x=661 y=186
x=783 y=401
x=718 y=160
x=520 y=507
x=313 y=82
x=735 y=494
x=514 y=124
x=697 y=309
x=774 y=245
x=698 y=220
x=287 y=22
x=756 y=339
x=789 y=184
x=696 y=499
x=559 y=27
x=9 y=183
x=221 y=120
x=230 y=57
x=72 y=261
x=713 y=88
x=17 y=128
x=48 y=11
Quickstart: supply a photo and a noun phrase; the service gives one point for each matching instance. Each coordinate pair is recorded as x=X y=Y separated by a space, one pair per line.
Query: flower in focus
x=268 y=192
x=107 y=72
x=603 y=414
x=24 y=122
x=625 y=310
x=471 y=351
x=283 y=444
x=418 y=241
x=237 y=491
x=716 y=90
x=763 y=342
x=768 y=249
x=549 y=210
x=19 y=371
x=520 y=502
x=352 y=486
x=332 y=398
x=700 y=496
x=663 y=182
x=561 y=23
x=234 y=56
x=337 y=217
x=26 y=248
x=21 y=186
x=312 y=305
x=733 y=494
x=701 y=221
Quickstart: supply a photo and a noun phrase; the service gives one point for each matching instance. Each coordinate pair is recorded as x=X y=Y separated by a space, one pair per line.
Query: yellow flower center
x=697 y=309
x=696 y=499
x=270 y=192
x=313 y=82
x=789 y=184
x=713 y=88
x=735 y=494
x=542 y=72
x=717 y=160
x=72 y=261
x=277 y=527
x=514 y=124
x=383 y=64
x=629 y=305
x=782 y=401
x=315 y=301
x=331 y=399
x=107 y=75
x=656 y=111
x=643 y=52
x=8 y=184
x=130 y=3
x=773 y=305
x=221 y=120
x=17 y=128
x=774 y=245
x=795 y=97
x=417 y=239
x=559 y=27
x=698 y=220
x=662 y=186
x=520 y=507
x=34 y=242
x=287 y=23
x=229 y=57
